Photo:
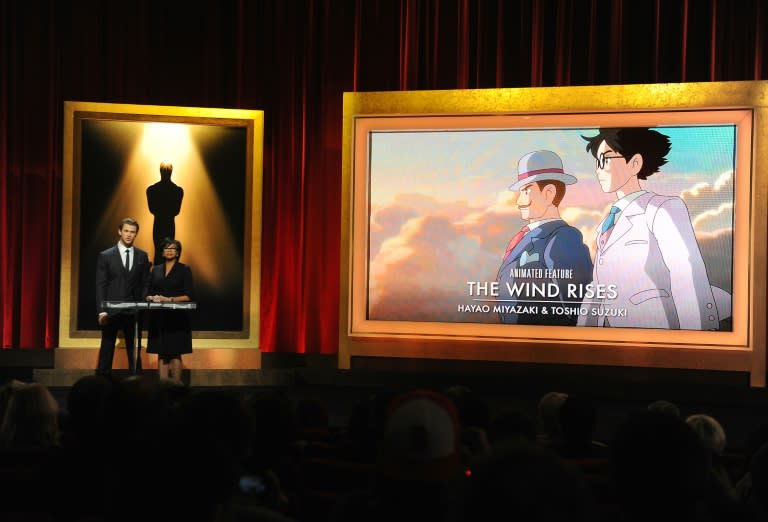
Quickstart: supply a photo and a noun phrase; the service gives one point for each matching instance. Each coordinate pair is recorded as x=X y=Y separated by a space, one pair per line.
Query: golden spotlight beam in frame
x=169 y=141
x=201 y=225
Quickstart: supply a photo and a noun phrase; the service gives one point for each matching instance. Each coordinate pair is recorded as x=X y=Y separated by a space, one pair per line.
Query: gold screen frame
x=252 y=121
x=740 y=103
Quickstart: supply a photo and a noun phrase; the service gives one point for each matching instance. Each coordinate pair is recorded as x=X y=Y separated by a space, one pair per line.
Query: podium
x=137 y=307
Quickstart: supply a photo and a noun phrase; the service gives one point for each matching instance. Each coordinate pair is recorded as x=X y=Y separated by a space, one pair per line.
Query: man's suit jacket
x=553 y=245
x=115 y=283
x=652 y=257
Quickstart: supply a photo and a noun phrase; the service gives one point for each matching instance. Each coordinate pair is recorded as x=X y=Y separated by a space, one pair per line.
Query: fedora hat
x=539 y=166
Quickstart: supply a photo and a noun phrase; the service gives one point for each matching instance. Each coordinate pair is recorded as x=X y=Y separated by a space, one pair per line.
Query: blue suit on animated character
x=547 y=246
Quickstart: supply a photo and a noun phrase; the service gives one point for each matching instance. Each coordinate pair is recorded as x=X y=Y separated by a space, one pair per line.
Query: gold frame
x=253 y=121
x=740 y=350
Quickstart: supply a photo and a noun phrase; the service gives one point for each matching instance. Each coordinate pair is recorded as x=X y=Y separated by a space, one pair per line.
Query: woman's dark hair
x=175 y=242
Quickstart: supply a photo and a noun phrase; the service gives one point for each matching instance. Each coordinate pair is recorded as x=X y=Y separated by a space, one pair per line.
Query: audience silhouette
x=151 y=449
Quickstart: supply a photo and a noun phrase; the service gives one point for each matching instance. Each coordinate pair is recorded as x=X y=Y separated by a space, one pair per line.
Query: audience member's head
x=474 y=442
x=548 y=413
x=472 y=409
x=273 y=429
x=421 y=438
x=577 y=424
x=85 y=403
x=6 y=392
x=756 y=439
x=135 y=411
x=312 y=417
x=660 y=465
x=710 y=432
x=758 y=468
x=662 y=406
x=721 y=498
x=526 y=483
x=420 y=458
x=210 y=432
x=366 y=424
x=136 y=420
x=512 y=426
x=31 y=419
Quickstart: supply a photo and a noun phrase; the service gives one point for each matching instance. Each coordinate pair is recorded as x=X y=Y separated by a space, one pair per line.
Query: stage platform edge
x=200 y=359
x=203 y=367
x=65 y=378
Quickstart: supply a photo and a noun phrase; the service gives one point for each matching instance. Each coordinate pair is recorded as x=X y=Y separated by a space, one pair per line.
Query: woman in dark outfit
x=170 y=333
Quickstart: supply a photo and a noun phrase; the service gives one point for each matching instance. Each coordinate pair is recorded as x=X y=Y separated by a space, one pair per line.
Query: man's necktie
x=515 y=240
x=610 y=220
x=128 y=259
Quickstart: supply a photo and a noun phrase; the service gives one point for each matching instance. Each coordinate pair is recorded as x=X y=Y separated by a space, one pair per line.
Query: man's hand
x=103 y=318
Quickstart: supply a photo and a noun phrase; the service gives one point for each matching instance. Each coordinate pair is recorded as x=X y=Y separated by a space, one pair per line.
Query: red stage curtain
x=294 y=59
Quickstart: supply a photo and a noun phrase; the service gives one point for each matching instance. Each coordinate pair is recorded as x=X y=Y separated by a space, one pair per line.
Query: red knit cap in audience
x=421 y=439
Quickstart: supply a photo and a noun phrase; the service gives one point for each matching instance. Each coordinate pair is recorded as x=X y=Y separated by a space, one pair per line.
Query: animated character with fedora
x=546 y=245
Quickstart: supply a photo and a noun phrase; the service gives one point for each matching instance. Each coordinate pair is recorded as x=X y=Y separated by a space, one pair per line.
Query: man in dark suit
x=122 y=274
x=547 y=256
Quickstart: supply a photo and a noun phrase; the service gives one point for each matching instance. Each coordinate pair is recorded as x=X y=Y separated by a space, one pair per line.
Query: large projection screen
x=436 y=184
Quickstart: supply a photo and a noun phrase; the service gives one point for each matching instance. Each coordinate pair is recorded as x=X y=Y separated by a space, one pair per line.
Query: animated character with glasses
x=646 y=245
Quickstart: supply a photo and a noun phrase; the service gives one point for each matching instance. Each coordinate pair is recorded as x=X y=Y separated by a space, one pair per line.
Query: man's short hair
x=129 y=221
x=628 y=141
x=559 y=189
x=709 y=430
x=662 y=406
x=549 y=412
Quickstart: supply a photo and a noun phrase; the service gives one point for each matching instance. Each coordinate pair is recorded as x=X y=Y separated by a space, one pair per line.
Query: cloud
x=586 y=194
x=386 y=222
x=493 y=227
x=422 y=273
x=711 y=204
x=714 y=219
